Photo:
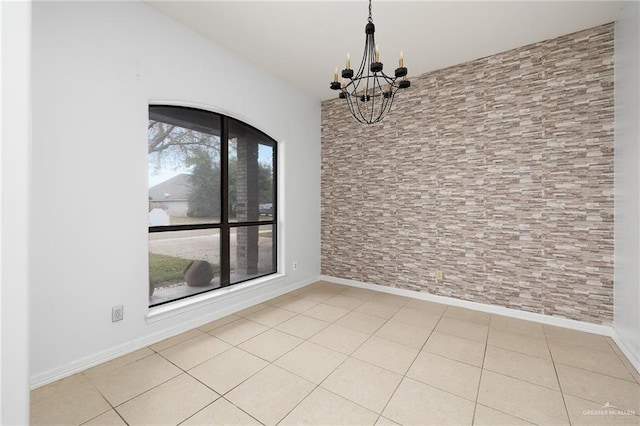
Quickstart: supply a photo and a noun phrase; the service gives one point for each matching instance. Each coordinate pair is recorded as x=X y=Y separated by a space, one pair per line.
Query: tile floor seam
x=381 y=299
x=529 y=383
x=583 y=347
x=340 y=396
x=634 y=374
x=349 y=356
x=239 y=343
x=503 y=412
x=212 y=402
x=114 y=407
x=325 y=378
x=520 y=333
x=200 y=363
x=521 y=379
x=299 y=402
x=453 y=359
x=97 y=389
x=444 y=390
x=404 y=376
x=566 y=411
x=309 y=340
x=392 y=395
x=239 y=408
x=597 y=372
x=433 y=330
x=301 y=312
x=290 y=334
x=269 y=363
x=381 y=325
x=484 y=357
x=103 y=397
x=273 y=362
x=102 y=414
x=460 y=337
x=176 y=365
x=520 y=352
x=586 y=398
x=120 y=415
x=379 y=366
x=555 y=369
x=231 y=389
x=173 y=337
x=148 y=390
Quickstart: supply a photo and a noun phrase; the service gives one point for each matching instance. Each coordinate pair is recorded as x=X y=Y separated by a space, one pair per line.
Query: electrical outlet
x=439 y=275
x=295 y=265
x=117 y=313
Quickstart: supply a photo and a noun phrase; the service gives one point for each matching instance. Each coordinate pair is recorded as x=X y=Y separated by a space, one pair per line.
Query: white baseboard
x=250 y=298
x=218 y=309
x=604 y=330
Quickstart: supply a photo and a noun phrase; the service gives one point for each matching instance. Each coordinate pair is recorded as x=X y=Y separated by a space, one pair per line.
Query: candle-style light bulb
x=348 y=61
x=335 y=75
x=377 y=56
x=401 y=62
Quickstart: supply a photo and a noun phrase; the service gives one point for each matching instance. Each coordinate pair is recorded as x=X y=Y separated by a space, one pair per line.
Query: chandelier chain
x=370 y=17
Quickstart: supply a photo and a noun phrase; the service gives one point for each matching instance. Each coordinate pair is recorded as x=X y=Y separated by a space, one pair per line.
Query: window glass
x=252 y=252
x=183 y=263
x=251 y=174
x=184 y=171
x=212 y=203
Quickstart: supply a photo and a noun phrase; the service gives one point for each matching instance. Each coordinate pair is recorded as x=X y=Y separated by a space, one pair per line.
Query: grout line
x=347 y=357
x=404 y=376
x=318 y=385
x=564 y=401
x=484 y=357
x=624 y=360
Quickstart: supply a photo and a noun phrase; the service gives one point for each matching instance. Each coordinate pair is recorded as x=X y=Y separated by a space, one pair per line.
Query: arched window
x=212 y=202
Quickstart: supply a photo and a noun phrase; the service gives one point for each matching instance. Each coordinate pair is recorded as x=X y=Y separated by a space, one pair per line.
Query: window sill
x=169 y=310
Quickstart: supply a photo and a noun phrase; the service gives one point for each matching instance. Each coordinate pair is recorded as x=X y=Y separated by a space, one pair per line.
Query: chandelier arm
x=356 y=80
x=381 y=109
x=353 y=112
x=387 y=106
x=389 y=80
x=370 y=92
x=373 y=97
x=360 y=117
x=360 y=113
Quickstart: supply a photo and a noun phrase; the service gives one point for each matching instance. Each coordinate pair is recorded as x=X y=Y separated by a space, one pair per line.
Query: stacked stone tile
x=498 y=171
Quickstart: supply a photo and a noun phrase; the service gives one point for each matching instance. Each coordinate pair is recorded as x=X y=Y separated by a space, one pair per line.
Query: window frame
x=225 y=225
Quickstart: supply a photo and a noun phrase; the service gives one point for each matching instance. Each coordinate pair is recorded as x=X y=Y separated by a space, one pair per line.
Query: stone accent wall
x=499 y=172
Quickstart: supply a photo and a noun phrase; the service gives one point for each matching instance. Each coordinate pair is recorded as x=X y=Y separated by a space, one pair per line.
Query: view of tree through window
x=212 y=202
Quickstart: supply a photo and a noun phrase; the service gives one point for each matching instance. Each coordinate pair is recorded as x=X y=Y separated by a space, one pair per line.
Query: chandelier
x=370 y=92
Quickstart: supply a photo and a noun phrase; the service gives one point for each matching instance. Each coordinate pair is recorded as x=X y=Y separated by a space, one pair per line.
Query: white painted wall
x=627 y=182
x=15 y=42
x=96 y=66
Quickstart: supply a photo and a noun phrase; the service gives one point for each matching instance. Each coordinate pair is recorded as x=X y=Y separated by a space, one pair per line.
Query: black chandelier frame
x=370 y=92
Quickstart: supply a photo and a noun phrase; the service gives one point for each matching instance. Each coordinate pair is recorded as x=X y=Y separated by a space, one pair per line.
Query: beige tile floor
x=334 y=355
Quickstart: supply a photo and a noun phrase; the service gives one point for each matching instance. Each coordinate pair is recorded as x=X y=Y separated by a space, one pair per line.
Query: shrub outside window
x=212 y=203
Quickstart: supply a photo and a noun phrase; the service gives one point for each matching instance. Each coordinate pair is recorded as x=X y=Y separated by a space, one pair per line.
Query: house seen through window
x=212 y=203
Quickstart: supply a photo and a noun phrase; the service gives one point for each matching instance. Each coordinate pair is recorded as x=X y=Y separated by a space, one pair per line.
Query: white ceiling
x=302 y=42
